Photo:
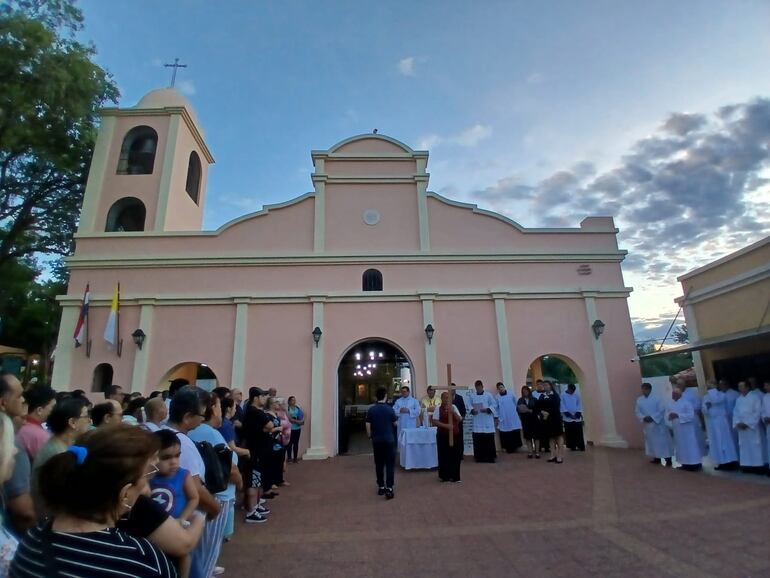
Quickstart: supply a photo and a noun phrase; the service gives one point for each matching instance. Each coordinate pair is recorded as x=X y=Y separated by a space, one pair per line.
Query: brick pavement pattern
x=605 y=514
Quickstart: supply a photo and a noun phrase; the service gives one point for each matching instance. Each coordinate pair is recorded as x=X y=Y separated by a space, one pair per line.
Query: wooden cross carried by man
x=451 y=389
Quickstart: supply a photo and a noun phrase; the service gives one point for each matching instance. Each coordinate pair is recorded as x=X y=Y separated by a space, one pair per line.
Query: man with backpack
x=186 y=412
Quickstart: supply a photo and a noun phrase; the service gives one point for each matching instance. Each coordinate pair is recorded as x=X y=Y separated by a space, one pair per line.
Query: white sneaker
x=262 y=501
x=218 y=571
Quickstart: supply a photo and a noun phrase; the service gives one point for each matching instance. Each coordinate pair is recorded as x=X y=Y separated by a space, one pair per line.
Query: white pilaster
x=65 y=349
x=167 y=172
x=431 y=367
x=96 y=173
x=319 y=224
x=142 y=356
x=318 y=422
x=506 y=365
x=609 y=436
x=422 y=214
x=697 y=359
x=239 y=343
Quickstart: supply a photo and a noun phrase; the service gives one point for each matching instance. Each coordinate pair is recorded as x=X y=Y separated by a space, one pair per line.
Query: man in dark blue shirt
x=380 y=420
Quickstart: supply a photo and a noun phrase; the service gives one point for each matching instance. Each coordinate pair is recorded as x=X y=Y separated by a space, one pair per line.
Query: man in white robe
x=692 y=394
x=509 y=422
x=407 y=410
x=746 y=419
x=684 y=422
x=722 y=448
x=572 y=416
x=766 y=419
x=731 y=395
x=657 y=437
x=484 y=411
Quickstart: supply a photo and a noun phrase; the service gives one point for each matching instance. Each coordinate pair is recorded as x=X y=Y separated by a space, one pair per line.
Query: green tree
x=50 y=94
x=680 y=334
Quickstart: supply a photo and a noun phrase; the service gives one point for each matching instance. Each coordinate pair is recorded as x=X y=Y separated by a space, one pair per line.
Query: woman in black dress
x=530 y=427
x=548 y=408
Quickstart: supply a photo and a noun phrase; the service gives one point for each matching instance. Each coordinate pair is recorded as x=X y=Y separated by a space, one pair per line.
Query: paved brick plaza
x=605 y=513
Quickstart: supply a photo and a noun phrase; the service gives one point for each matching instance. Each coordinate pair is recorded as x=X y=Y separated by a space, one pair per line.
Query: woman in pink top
x=32 y=435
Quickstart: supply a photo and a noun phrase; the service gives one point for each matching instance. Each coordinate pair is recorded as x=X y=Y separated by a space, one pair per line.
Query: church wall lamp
x=429 y=331
x=138 y=336
x=598 y=327
x=317 y=335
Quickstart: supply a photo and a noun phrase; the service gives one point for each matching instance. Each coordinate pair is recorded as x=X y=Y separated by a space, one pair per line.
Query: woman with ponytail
x=87 y=488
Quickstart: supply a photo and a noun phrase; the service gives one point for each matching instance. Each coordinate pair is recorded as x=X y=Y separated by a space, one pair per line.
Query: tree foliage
x=680 y=334
x=50 y=94
x=664 y=364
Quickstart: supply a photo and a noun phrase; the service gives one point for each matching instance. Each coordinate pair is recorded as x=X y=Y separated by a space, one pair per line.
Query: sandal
x=537 y=456
x=529 y=456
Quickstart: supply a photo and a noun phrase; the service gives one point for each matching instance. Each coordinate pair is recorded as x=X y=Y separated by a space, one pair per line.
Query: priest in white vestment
x=657 y=436
x=509 y=422
x=766 y=419
x=407 y=411
x=722 y=448
x=751 y=437
x=692 y=394
x=684 y=422
x=731 y=395
x=484 y=411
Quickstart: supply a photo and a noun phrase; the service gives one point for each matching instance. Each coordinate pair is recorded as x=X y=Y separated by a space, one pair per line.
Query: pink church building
x=369 y=279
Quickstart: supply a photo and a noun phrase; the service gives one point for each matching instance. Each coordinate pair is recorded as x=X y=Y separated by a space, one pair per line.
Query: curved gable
x=367 y=144
x=278 y=228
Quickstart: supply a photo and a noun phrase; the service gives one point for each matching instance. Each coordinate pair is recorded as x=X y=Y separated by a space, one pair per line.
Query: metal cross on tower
x=175 y=66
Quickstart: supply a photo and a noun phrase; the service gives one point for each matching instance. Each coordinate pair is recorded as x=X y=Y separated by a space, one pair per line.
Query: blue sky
x=545 y=111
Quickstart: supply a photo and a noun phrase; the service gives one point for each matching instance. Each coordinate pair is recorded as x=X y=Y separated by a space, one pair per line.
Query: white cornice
x=743 y=280
x=105 y=299
x=115 y=261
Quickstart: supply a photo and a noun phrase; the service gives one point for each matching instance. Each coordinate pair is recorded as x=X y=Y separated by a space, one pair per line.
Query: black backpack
x=218 y=460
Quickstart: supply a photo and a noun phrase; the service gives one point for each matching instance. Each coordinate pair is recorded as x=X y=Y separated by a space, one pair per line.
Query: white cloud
x=406 y=66
x=470 y=137
x=428 y=141
x=186 y=87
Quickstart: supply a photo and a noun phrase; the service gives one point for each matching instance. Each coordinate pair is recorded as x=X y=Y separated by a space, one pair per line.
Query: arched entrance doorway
x=364 y=367
x=561 y=371
x=199 y=374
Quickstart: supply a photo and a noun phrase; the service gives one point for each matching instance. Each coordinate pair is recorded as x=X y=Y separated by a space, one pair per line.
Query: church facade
x=278 y=298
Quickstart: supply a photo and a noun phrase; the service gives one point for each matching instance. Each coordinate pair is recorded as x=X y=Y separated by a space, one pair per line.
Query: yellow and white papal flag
x=111 y=329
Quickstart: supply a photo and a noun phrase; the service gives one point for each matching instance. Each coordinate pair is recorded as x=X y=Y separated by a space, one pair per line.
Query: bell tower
x=149 y=169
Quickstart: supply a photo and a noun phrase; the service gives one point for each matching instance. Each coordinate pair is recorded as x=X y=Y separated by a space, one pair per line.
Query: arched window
x=127 y=214
x=193 y=184
x=372 y=280
x=137 y=155
x=102 y=378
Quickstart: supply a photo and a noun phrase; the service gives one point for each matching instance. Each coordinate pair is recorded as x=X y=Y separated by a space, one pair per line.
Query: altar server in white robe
x=722 y=449
x=509 y=422
x=484 y=412
x=766 y=419
x=684 y=422
x=407 y=410
x=657 y=437
x=751 y=437
x=692 y=394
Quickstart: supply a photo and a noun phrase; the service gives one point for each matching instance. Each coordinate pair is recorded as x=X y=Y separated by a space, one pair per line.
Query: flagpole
x=117 y=326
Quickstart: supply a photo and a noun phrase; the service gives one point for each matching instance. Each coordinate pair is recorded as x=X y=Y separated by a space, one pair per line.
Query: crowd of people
x=731 y=426
x=136 y=486
x=547 y=421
